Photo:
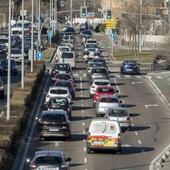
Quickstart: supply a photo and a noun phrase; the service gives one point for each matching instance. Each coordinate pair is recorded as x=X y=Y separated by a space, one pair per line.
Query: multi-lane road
x=141 y=144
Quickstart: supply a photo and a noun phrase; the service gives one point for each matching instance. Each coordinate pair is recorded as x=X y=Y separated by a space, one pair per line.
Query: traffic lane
x=149 y=127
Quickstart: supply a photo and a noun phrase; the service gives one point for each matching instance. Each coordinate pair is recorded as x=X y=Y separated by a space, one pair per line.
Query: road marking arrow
x=150 y=105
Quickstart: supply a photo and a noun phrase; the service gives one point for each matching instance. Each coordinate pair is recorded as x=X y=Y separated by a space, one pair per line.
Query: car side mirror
x=121 y=101
x=36 y=118
x=68 y=159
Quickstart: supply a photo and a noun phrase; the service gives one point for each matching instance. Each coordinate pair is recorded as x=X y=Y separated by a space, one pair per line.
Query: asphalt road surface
x=141 y=144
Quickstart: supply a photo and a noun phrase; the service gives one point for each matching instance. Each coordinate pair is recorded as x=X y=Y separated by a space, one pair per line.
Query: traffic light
x=83 y=11
x=109 y=14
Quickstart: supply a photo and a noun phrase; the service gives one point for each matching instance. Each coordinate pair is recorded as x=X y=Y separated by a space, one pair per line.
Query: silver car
x=121 y=115
x=49 y=159
x=105 y=103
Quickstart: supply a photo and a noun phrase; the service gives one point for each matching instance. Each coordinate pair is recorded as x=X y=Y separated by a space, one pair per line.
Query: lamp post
x=39 y=25
x=9 y=65
x=140 y=25
x=32 y=38
x=71 y=12
x=22 y=60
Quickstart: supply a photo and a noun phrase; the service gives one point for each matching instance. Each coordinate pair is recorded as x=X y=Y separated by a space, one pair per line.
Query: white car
x=103 y=135
x=98 y=82
x=58 y=92
x=16 y=54
x=60 y=49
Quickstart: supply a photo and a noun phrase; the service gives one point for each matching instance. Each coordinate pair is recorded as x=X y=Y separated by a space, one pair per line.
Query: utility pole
x=140 y=27
x=32 y=38
x=22 y=60
x=169 y=13
x=71 y=10
x=9 y=65
x=39 y=25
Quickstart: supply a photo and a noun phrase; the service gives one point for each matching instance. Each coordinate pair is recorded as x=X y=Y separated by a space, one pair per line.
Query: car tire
x=89 y=151
x=119 y=151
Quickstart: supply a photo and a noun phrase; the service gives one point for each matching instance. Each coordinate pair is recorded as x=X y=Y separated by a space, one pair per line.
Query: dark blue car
x=130 y=67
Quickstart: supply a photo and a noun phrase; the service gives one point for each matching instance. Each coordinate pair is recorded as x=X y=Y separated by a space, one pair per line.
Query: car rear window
x=103 y=127
x=53 y=117
x=67 y=55
x=63 y=84
x=64 y=49
x=58 y=91
x=99 y=70
x=101 y=83
x=61 y=66
x=109 y=90
x=118 y=113
x=109 y=100
x=64 y=76
x=52 y=160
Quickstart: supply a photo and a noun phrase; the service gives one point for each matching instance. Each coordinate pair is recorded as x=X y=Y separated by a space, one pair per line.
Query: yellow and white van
x=103 y=135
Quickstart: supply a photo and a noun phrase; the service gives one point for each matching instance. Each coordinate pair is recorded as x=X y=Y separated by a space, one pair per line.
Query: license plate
x=129 y=69
x=53 y=130
x=46 y=168
x=97 y=143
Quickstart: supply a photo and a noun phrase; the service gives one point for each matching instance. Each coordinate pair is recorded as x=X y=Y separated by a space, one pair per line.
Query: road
x=141 y=144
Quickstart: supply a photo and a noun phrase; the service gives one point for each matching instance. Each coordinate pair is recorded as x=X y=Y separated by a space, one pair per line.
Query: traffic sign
x=50 y=34
x=39 y=55
x=111 y=23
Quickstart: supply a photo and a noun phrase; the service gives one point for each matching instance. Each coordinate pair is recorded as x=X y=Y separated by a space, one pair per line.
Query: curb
x=158 y=161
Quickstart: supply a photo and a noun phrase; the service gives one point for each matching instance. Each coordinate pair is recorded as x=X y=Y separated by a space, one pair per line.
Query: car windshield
x=109 y=100
x=67 y=55
x=64 y=49
x=87 y=32
x=53 y=117
x=63 y=84
x=15 y=51
x=99 y=70
x=117 y=113
x=3 y=40
x=5 y=62
x=59 y=103
x=99 y=60
x=105 y=90
x=103 y=127
x=96 y=64
x=51 y=160
x=130 y=63
x=58 y=91
x=91 y=46
x=102 y=83
x=64 y=76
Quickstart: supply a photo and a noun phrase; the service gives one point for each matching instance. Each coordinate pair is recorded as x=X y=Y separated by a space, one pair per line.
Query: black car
x=3 y=49
x=69 y=29
x=66 y=83
x=54 y=124
x=86 y=34
x=59 y=103
x=130 y=67
x=4 y=67
x=100 y=60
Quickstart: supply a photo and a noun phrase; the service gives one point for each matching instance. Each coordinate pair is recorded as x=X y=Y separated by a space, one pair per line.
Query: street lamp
x=140 y=29
x=22 y=60
x=32 y=38
x=9 y=65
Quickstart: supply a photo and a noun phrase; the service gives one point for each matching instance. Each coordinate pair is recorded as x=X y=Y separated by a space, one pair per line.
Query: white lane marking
x=133 y=125
x=84 y=149
x=126 y=145
x=139 y=141
x=82 y=104
x=56 y=144
x=81 y=84
x=75 y=75
x=116 y=85
x=82 y=94
x=137 y=82
x=158 y=77
x=83 y=111
x=150 y=105
x=80 y=72
x=84 y=75
x=2 y=113
x=84 y=132
x=136 y=133
x=85 y=159
x=83 y=124
x=127 y=76
x=84 y=140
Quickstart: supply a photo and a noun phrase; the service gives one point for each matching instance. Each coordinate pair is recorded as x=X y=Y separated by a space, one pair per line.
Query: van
x=104 y=135
x=68 y=58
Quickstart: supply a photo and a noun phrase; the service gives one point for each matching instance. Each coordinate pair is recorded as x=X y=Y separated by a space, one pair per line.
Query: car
x=68 y=39
x=48 y=159
x=59 y=103
x=98 y=73
x=90 y=40
x=130 y=67
x=86 y=34
x=4 y=67
x=53 y=124
x=2 y=91
x=92 y=65
x=3 y=49
x=64 y=76
x=60 y=68
x=105 y=103
x=61 y=49
x=57 y=91
x=121 y=115
x=67 y=83
x=98 y=82
x=69 y=29
x=68 y=57
x=16 y=54
x=100 y=60
x=90 y=51
x=103 y=91
x=103 y=135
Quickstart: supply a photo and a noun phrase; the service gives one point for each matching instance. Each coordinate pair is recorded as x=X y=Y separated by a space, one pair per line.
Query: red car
x=102 y=91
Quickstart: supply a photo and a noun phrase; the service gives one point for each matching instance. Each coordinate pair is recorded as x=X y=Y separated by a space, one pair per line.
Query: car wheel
x=119 y=151
x=89 y=150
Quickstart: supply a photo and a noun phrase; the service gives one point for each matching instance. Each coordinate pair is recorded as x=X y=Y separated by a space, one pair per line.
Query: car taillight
x=68 y=109
x=128 y=119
